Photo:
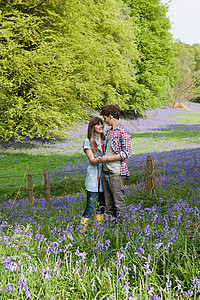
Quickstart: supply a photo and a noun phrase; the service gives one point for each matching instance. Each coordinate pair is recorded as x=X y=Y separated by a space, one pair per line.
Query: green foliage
x=155 y=70
x=188 y=65
x=57 y=59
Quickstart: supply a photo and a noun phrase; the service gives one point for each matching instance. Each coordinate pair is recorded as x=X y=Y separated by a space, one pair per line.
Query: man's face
x=107 y=119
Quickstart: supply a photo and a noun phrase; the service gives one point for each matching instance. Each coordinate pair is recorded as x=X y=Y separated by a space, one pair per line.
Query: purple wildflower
x=120 y=256
x=11 y=264
x=134 y=268
x=147 y=230
x=56 y=267
x=46 y=272
x=147 y=265
x=93 y=284
x=110 y=297
x=155 y=297
x=23 y=286
x=81 y=254
x=196 y=284
x=150 y=289
x=30 y=269
x=94 y=261
x=130 y=297
x=169 y=283
x=8 y=287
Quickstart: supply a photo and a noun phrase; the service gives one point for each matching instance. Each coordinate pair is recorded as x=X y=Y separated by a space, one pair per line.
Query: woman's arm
x=109 y=158
x=90 y=155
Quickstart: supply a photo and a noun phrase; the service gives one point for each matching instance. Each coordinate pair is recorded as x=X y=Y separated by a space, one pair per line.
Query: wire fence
x=176 y=169
x=181 y=167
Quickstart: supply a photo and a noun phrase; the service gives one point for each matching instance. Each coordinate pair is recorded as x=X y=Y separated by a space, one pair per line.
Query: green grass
x=174 y=137
x=159 y=237
x=177 y=133
x=17 y=162
x=80 y=278
x=189 y=118
x=16 y=166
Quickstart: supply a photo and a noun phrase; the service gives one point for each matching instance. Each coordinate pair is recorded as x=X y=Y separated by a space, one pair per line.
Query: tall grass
x=152 y=254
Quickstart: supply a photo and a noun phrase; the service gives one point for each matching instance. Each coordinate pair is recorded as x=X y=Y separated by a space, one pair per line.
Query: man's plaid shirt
x=121 y=143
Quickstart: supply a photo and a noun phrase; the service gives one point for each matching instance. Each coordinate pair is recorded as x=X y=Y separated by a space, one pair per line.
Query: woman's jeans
x=96 y=201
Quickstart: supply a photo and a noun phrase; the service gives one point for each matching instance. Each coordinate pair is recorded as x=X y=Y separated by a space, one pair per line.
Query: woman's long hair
x=91 y=132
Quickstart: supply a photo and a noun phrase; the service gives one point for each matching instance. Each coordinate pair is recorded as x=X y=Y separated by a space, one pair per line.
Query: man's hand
x=109 y=158
x=102 y=159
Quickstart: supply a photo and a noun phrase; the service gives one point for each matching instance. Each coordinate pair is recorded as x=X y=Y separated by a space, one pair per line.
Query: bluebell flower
x=110 y=297
x=134 y=268
x=196 y=284
x=150 y=289
x=155 y=297
x=94 y=261
x=8 y=287
x=131 y=297
x=147 y=270
x=11 y=264
x=81 y=254
x=23 y=286
x=120 y=256
x=92 y=284
x=169 y=283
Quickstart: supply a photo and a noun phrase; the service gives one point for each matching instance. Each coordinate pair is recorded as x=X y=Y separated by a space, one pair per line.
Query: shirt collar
x=96 y=139
x=117 y=127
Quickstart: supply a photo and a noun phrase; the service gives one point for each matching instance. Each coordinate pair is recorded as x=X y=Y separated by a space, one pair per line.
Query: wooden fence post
x=47 y=189
x=30 y=189
x=150 y=177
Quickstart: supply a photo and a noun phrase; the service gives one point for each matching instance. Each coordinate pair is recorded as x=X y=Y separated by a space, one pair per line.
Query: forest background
x=61 y=58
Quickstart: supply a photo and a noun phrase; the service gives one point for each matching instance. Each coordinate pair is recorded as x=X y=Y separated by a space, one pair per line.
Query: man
x=118 y=148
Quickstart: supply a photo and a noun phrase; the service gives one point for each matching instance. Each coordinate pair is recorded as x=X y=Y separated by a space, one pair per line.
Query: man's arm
x=126 y=150
x=109 y=158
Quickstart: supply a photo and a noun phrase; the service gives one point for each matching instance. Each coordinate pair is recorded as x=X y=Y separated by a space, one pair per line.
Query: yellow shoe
x=98 y=218
x=84 y=222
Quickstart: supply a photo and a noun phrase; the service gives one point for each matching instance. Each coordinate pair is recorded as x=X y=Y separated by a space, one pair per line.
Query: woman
x=93 y=147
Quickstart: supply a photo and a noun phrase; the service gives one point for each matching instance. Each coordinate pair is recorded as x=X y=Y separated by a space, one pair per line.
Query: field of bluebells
x=154 y=253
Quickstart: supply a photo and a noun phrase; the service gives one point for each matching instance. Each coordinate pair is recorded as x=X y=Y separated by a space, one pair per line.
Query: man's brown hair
x=113 y=110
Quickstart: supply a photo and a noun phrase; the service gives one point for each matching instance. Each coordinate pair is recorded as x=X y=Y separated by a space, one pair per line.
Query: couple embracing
x=107 y=168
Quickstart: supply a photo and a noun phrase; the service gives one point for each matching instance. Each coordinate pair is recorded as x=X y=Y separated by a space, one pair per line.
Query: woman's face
x=98 y=128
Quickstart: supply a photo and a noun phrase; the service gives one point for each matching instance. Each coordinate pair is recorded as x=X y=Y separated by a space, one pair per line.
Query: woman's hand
x=102 y=159
x=99 y=159
x=109 y=158
x=92 y=159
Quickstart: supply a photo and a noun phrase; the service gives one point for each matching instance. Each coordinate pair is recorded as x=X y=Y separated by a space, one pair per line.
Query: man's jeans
x=94 y=201
x=113 y=186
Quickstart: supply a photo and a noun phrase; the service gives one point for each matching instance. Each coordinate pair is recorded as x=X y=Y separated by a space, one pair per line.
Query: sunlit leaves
x=156 y=68
x=60 y=58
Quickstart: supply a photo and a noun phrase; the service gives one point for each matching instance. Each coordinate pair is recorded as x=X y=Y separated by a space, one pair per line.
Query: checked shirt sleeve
x=126 y=141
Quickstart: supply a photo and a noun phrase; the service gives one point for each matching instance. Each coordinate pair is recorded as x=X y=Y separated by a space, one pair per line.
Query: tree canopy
x=59 y=58
x=188 y=65
x=156 y=69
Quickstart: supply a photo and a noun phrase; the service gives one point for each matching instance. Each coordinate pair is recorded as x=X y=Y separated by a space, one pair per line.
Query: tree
x=188 y=65
x=59 y=58
x=156 y=68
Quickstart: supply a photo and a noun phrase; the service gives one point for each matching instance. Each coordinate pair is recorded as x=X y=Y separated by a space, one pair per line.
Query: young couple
x=108 y=165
